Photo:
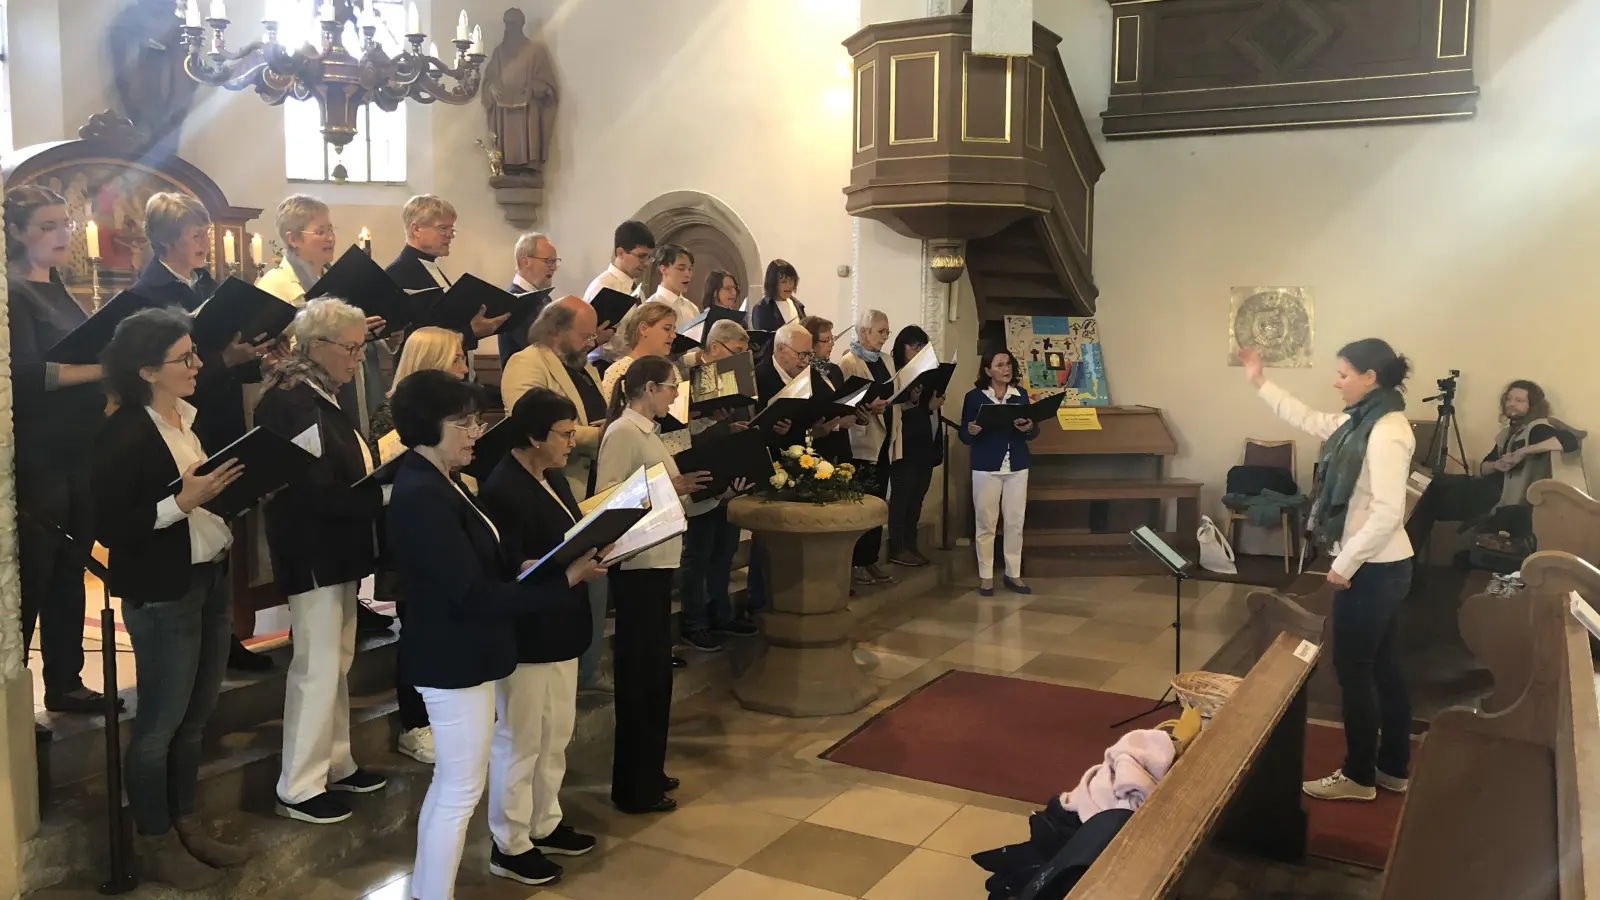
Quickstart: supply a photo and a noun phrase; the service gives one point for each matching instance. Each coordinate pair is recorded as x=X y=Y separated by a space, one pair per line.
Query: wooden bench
x=1506 y=804
x=1239 y=781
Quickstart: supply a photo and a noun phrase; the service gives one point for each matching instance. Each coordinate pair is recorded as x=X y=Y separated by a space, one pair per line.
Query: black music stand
x=1174 y=563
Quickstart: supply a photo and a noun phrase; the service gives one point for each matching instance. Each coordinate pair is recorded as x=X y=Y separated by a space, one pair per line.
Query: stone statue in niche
x=147 y=64
x=520 y=93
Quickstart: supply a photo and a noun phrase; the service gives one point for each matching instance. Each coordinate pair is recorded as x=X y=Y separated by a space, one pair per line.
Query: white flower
x=779 y=480
x=795 y=451
x=824 y=470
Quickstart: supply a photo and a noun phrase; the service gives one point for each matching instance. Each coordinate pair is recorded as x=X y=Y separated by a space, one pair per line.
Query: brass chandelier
x=339 y=82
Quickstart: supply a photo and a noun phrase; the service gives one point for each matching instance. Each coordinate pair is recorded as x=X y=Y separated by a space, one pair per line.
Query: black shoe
x=664 y=805
x=923 y=557
x=371 y=622
x=740 y=627
x=322 y=809
x=672 y=784
x=360 y=782
x=528 y=868
x=81 y=700
x=242 y=659
x=565 y=841
x=905 y=559
x=679 y=662
x=703 y=641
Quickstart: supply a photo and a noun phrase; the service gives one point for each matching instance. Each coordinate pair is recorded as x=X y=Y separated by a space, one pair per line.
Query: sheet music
x=665 y=520
x=389 y=447
x=797 y=389
x=925 y=361
x=632 y=492
x=309 y=440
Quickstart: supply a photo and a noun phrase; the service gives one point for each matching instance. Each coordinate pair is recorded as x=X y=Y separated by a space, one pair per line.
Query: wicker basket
x=1205 y=691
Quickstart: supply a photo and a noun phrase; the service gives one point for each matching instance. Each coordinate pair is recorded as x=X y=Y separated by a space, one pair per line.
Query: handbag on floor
x=1215 y=554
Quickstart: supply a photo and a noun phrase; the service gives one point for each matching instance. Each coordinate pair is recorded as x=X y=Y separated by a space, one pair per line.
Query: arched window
x=378 y=152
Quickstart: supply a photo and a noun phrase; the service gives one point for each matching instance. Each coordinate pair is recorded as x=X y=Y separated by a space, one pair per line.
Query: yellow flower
x=824 y=470
x=807 y=462
x=779 y=480
x=795 y=451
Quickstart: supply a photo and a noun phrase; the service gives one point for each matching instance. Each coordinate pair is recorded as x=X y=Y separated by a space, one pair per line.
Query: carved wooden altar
x=106 y=177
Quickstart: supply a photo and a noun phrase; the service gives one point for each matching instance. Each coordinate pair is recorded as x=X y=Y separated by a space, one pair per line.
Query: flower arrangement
x=799 y=475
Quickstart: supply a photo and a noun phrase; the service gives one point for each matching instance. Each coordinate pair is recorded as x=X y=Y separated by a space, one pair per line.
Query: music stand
x=1174 y=563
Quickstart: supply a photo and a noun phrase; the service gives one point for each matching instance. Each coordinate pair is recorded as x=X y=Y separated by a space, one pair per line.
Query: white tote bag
x=1215 y=554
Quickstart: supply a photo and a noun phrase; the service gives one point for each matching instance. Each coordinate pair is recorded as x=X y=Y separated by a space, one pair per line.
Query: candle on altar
x=366 y=240
x=191 y=14
x=329 y=13
x=91 y=239
x=461 y=26
x=218 y=9
x=227 y=248
x=413 y=19
x=255 y=249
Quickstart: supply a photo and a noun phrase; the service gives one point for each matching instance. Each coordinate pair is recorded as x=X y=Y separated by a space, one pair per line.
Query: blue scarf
x=1342 y=457
x=862 y=353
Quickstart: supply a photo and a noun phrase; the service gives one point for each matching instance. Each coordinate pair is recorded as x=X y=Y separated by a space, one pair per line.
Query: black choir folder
x=724 y=384
x=240 y=308
x=797 y=403
x=923 y=370
x=82 y=346
x=698 y=328
x=1003 y=415
x=454 y=308
x=270 y=462
x=610 y=306
x=362 y=283
x=620 y=520
x=491 y=447
x=740 y=454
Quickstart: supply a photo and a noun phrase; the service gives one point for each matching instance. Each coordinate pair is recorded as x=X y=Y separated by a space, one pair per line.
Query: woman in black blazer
x=321 y=532
x=460 y=636
x=777 y=305
x=532 y=505
x=168 y=563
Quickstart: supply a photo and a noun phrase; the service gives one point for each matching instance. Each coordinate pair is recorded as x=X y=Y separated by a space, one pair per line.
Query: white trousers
x=316 y=703
x=996 y=496
x=463 y=726
x=536 y=706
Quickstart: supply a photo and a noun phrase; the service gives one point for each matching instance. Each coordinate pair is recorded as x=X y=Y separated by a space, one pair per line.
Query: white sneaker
x=1338 y=787
x=1391 y=783
x=602 y=684
x=418 y=744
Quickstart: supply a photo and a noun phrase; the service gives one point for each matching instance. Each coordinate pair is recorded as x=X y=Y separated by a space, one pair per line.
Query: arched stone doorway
x=709 y=229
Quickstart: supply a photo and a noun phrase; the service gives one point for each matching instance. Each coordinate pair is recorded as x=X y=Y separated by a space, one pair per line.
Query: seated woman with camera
x=1532 y=446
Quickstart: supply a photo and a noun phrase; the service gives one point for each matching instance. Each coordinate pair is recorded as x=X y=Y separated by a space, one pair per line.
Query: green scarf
x=1341 y=460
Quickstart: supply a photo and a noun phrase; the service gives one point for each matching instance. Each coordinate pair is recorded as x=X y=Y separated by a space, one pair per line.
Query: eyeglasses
x=473 y=427
x=568 y=436
x=548 y=260
x=353 y=349
x=804 y=356
x=444 y=230
x=732 y=350
x=190 y=359
x=459 y=358
x=319 y=233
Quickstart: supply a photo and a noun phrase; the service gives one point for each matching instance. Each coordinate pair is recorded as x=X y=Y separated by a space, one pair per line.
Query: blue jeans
x=708 y=550
x=1366 y=657
x=180 y=649
x=589 y=660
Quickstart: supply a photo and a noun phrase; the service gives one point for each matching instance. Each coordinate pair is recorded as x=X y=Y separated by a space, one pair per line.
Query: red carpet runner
x=1029 y=740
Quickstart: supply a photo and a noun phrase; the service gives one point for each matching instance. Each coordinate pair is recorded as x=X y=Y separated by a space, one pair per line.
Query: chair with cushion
x=1274 y=455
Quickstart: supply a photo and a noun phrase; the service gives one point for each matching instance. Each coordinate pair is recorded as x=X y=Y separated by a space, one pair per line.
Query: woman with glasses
x=463 y=641
x=305 y=225
x=58 y=411
x=169 y=564
x=641 y=588
x=722 y=289
x=320 y=531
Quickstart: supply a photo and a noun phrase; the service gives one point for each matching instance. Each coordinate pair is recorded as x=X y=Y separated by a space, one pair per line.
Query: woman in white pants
x=999 y=467
x=322 y=536
x=464 y=602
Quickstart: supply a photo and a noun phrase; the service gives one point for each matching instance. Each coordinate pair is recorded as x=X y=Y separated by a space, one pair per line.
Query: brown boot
x=206 y=848
x=163 y=858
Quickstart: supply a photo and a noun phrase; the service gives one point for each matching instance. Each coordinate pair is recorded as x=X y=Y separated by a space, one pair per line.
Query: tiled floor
x=762 y=816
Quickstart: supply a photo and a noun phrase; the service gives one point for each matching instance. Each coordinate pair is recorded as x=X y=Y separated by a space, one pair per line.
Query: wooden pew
x=1565 y=518
x=1506 y=804
x=1239 y=781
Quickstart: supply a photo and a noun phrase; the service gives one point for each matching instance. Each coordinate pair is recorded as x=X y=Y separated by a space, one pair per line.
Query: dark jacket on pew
x=320 y=530
x=218 y=391
x=532 y=523
x=462 y=597
x=133 y=471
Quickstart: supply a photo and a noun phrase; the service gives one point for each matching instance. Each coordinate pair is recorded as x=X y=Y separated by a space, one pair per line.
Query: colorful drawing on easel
x=1060 y=354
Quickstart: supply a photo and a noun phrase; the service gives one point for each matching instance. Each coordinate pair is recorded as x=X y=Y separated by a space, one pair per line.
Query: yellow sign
x=1078 y=418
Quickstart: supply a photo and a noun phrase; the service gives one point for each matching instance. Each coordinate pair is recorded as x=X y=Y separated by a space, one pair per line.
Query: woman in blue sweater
x=999 y=467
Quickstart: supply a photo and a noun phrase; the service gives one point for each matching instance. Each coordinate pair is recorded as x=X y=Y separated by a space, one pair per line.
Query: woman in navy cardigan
x=999 y=467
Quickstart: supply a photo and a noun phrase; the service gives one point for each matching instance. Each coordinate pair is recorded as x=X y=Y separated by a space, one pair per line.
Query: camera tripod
x=1439 y=445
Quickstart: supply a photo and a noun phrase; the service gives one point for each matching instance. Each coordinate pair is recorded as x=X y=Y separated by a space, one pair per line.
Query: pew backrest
x=1149 y=855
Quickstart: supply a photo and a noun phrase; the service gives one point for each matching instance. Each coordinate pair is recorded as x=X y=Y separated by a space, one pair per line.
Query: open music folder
x=664 y=521
x=738 y=454
x=724 y=384
x=241 y=308
x=798 y=403
x=83 y=344
x=1003 y=415
x=603 y=524
x=455 y=307
x=923 y=370
x=362 y=283
x=270 y=463
x=611 y=305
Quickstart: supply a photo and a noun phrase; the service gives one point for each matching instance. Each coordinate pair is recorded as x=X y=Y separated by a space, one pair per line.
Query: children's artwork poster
x=1060 y=354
